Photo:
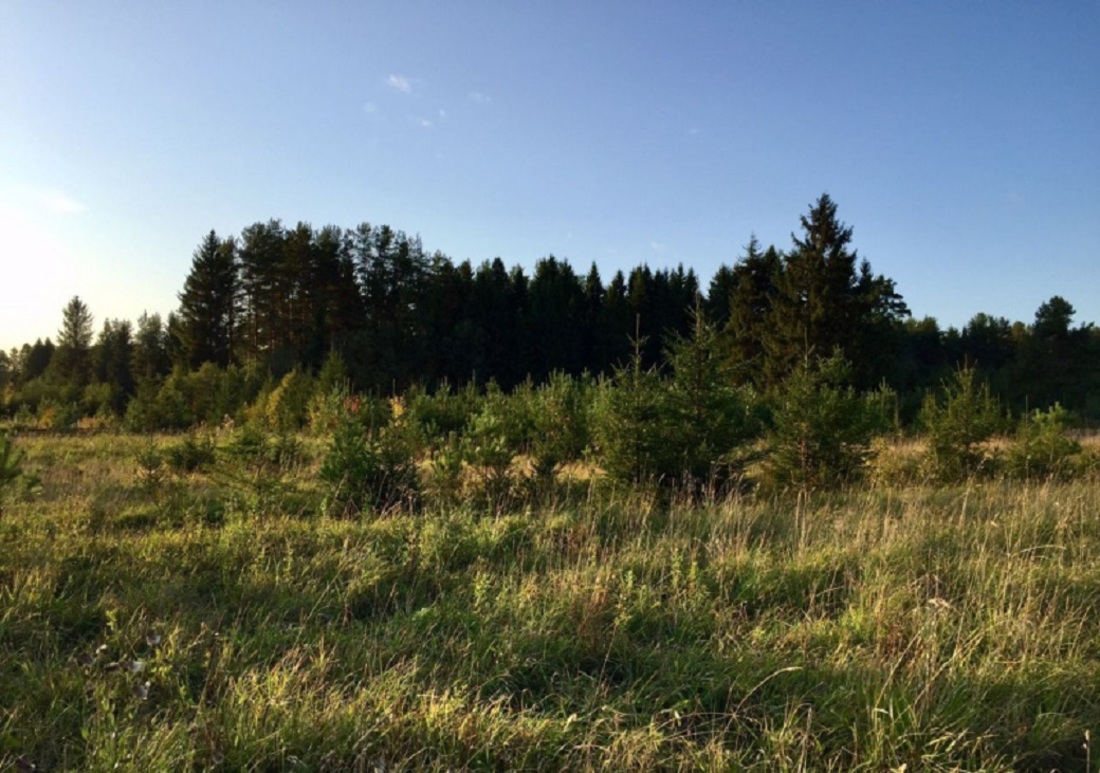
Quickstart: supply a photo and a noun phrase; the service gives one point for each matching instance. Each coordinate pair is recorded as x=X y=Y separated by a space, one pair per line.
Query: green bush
x=446 y=473
x=558 y=423
x=494 y=436
x=713 y=418
x=150 y=467
x=633 y=430
x=821 y=429
x=193 y=453
x=958 y=423
x=369 y=472
x=437 y=415
x=1042 y=449
x=326 y=407
x=11 y=466
x=287 y=406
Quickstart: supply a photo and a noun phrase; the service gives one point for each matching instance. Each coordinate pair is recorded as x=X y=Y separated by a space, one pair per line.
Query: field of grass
x=216 y=620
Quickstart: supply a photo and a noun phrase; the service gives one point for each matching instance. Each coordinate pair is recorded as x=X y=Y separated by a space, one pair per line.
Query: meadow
x=162 y=615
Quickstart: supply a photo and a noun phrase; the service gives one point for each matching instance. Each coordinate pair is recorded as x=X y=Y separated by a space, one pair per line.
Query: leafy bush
x=150 y=463
x=895 y=463
x=957 y=425
x=446 y=473
x=57 y=416
x=326 y=408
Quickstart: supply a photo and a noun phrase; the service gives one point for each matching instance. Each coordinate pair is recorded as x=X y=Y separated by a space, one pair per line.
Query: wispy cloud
x=370 y=108
x=424 y=122
x=57 y=201
x=400 y=83
x=479 y=98
x=658 y=246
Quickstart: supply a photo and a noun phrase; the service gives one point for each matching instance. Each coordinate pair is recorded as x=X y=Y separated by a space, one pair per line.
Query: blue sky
x=960 y=140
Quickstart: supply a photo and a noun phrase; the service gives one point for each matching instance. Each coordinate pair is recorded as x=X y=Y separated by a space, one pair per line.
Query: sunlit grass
x=216 y=620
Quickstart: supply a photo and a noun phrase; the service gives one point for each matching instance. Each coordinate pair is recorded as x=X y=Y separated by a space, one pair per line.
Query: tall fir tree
x=754 y=281
x=72 y=362
x=209 y=303
x=823 y=302
x=112 y=360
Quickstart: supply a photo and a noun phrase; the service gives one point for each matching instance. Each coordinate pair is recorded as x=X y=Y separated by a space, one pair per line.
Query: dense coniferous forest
x=277 y=299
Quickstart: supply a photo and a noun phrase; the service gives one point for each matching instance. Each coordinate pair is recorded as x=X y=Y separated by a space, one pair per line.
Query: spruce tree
x=72 y=362
x=825 y=300
x=209 y=303
x=710 y=413
x=750 y=302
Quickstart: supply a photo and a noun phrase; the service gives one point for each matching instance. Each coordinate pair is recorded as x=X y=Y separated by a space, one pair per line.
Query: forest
x=275 y=300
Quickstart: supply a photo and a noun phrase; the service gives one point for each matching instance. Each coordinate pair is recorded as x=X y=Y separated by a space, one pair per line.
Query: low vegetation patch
x=156 y=616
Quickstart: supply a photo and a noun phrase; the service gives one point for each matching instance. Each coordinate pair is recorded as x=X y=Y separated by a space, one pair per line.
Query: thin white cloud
x=370 y=108
x=479 y=98
x=426 y=123
x=400 y=83
x=442 y=113
x=658 y=246
x=58 y=202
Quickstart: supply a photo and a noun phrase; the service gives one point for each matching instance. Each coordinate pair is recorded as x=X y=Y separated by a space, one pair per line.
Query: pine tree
x=263 y=287
x=72 y=362
x=709 y=412
x=750 y=303
x=151 y=358
x=554 y=319
x=823 y=303
x=209 y=303
x=614 y=327
x=113 y=356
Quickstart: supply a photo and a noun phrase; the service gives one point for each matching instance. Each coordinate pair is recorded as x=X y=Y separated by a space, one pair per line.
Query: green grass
x=217 y=621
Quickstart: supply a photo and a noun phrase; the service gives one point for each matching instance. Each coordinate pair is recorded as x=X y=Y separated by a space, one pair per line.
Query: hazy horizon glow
x=960 y=141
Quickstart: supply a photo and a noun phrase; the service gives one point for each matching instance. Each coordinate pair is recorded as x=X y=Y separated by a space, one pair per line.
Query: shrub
x=191 y=454
x=633 y=429
x=172 y=409
x=150 y=463
x=712 y=416
x=493 y=438
x=895 y=463
x=441 y=414
x=821 y=429
x=287 y=405
x=57 y=416
x=1042 y=448
x=326 y=408
x=11 y=466
x=558 y=423
x=446 y=466
x=368 y=472
x=957 y=425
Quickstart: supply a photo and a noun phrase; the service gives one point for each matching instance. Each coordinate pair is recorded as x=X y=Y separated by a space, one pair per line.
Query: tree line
x=274 y=300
